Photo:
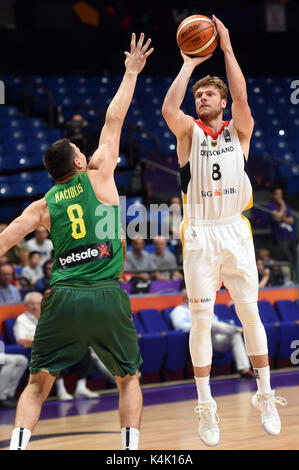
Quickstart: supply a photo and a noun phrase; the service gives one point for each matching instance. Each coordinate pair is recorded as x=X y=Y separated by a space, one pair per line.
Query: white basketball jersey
x=214 y=182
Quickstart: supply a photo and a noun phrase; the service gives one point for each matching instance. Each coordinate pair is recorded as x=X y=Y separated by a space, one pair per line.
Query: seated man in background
x=277 y=277
x=18 y=254
x=33 y=272
x=12 y=368
x=40 y=242
x=8 y=292
x=139 y=260
x=24 y=330
x=224 y=336
x=164 y=259
x=44 y=282
x=264 y=273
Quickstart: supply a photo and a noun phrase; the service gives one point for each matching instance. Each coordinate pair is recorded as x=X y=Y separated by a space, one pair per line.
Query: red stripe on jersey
x=124 y=254
x=45 y=296
x=208 y=131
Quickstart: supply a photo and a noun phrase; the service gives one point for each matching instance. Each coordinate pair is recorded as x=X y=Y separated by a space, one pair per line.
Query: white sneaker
x=86 y=393
x=208 y=429
x=64 y=396
x=266 y=404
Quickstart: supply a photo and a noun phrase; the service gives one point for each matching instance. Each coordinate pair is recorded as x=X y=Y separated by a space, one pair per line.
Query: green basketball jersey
x=89 y=242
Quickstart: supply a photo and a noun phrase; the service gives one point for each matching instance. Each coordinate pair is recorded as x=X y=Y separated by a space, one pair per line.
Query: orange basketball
x=197 y=36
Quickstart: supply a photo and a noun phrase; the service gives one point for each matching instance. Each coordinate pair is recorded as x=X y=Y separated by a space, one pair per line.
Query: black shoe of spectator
x=8 y=403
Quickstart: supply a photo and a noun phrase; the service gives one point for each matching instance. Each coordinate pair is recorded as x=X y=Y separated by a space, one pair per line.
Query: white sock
x=19 y=439
x=81 y=385
x=262 y=375
x=60 y=388
x=129 y=438
x=203 y=389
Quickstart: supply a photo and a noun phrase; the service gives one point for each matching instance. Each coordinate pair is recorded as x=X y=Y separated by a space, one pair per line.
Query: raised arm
x=105 y=157
x=241 y=114
x=34 y=215
x=178 y=122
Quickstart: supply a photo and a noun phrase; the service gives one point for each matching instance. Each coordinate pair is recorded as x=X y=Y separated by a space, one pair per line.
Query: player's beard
x=207 y=114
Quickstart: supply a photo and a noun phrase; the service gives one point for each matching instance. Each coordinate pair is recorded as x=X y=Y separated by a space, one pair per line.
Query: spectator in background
x=265 y=255
x=33 y=272
x=224 y=336
x=12 y=368
x=171 y=222
x=139 y=260
x=264 y=273
x=24 y=330
x=44 y=283
x=4 y=259
x=276 y=274
x=281 y=224
x=76 y=130
x=8 y=292
x=18 y=254
x=164 y=259
x=40 y=242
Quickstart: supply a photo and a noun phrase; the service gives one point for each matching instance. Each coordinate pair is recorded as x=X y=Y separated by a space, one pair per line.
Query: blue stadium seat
x=26 y=189
x=8 y=111
x=37 y=146
x=287 y=310
x=41 y=176
x=272 y=326
x=24 y=177
x=2 y=163
x=33 y=124
x=6 y=190
x=166 y=314
x=177 y=341
x=12 y=347
x=44 y=186
x=152 y=348
x=15 y=147
x=37 y=159
x=18 y=161
x=258 y=148
x=289 y=329
x=53 y=135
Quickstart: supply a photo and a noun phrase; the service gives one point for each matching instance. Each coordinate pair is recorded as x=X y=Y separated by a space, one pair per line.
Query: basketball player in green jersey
x=85 y=305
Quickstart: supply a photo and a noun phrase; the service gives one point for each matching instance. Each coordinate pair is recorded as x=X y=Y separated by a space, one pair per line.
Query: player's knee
x=201 y=321
x=127 y=379
x=248 y=314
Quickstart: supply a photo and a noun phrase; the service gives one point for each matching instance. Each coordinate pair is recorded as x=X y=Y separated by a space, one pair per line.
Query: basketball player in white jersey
x=217 y=238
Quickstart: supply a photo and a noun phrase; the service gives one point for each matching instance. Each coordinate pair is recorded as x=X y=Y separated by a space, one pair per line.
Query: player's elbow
x=167 y=111
x=114 y=118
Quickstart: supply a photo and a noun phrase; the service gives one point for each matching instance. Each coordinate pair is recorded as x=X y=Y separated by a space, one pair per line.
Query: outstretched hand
x=194 y=60
x=223 y=33
x=136 y=58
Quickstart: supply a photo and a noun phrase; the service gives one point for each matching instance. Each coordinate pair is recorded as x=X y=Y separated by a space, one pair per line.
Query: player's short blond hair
x=216 y=81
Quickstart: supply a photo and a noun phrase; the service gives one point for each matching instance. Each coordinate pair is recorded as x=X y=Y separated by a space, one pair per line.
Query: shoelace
x=208 y=416
x=270 y=406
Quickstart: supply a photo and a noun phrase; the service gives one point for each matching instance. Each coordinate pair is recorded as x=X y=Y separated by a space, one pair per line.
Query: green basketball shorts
x=75 y=316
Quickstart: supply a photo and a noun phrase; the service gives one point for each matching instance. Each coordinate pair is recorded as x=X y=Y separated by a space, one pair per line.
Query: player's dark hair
x=32 y=253
x=275 y=187
x=58 y=159
x=49 y=261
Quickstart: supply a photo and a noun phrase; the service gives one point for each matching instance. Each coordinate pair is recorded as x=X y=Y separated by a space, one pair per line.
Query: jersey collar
x=208 y=131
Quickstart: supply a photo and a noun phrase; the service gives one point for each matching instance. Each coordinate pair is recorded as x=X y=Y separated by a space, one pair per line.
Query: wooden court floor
x=173 y=426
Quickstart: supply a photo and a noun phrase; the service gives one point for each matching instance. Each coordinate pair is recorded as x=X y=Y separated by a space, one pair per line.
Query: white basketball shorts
x=216 y=251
